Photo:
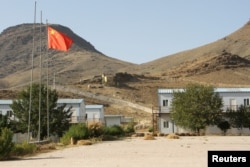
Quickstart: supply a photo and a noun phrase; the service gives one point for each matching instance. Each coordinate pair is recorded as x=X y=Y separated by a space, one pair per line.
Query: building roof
x=6 y=101
x=113 y=116
x=66 y=101
x=93 y=106
x=72 y=101
x=232 y=90
x=219 y=90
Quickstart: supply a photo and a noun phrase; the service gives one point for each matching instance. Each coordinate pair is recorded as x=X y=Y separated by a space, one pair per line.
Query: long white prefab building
x=232 y=99
x=78 y=108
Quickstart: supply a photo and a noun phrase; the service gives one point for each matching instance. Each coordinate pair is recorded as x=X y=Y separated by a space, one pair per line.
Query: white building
x=78 y=108
x=232 y=98
x=111 y=120
x=5 y=108
x=95 y=113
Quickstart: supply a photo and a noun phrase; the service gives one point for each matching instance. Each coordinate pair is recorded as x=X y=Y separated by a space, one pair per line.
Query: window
x=246 y=102
x=166 y=124
x=9 y=113
x=165 y=102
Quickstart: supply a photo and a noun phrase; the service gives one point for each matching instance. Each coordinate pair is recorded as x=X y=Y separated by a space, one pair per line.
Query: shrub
x=95 y=129
x=150 y=129
x=140 y=134
x=173 y=136
x=161 y=134
x=23 y=149
x=6 y=144
x=130 y=128
x=108 y=138
x=84 y=142
x=114 y=130
x=149 y=137
x=46 y=147
x=224 y=126
x=76 y=132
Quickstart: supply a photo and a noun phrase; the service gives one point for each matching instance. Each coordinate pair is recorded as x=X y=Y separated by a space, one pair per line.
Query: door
x=233 y=105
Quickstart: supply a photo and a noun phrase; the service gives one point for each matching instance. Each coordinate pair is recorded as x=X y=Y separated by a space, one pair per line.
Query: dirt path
x=103 y=98
x=136 y=152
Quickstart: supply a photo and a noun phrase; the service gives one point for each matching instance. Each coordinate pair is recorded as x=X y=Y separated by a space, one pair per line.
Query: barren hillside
x=237 y=43
x=223 y=63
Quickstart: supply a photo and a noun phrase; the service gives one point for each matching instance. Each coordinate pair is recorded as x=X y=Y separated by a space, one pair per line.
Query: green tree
x=4 y=121
x=240 y=118
x=196 y=107
x=58 y=117
x=6 y=143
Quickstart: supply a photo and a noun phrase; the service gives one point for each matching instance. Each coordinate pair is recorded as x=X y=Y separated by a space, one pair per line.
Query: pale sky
x=137 y=31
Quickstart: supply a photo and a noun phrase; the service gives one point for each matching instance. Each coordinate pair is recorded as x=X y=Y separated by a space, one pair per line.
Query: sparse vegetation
x=77 y=132
x=23 y=149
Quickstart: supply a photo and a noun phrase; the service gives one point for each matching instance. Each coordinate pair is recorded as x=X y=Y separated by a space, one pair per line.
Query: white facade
x=95 y=113
x=5 y=108
x=232 y=99
x=111 y=120
x=78 y=109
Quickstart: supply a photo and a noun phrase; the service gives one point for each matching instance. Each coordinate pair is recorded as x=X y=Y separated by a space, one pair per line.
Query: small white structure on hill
x=95 y=113
x=232 y=99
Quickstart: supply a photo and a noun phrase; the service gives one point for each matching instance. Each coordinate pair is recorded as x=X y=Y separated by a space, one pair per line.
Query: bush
x=23 y=149
x=224 y=126
x=76 y=132
x=150 y=129
x=46 y=147
x=130 y=128
x=114 y=130
x=149 y=137
x=108 y=138
x=6 y=144
x=95 y=129
x=173 y=136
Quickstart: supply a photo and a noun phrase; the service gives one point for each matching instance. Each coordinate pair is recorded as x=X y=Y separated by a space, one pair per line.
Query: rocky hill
x=210 y=64
x=223 y=63
x=237 y=43
x=81 y=61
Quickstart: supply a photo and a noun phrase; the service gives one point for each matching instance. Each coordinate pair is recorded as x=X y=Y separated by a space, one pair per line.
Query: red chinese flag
x=58 y=40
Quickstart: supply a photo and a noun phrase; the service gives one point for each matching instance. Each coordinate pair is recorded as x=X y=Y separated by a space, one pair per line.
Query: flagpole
x=48 y=135
x=31 y=78
x=40 y=83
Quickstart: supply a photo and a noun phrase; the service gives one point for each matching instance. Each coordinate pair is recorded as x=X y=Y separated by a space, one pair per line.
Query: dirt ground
x=135 y=152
